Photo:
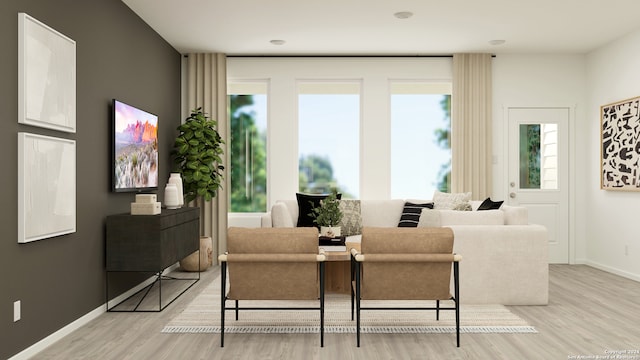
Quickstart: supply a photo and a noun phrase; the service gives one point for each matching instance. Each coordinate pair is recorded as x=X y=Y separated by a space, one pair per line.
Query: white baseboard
x=84 y=320
x=613 y=270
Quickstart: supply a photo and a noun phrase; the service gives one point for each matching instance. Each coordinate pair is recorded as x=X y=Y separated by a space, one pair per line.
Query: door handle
x=512 y=195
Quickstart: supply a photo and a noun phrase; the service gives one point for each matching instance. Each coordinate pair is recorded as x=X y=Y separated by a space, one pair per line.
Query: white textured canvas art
x=46 y=76
x=46 y=187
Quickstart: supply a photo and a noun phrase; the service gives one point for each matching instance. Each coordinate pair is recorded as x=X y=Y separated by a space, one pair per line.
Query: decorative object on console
x=306 y=204
x=145 y=204
x=328 y=215
x=351 y=223
x=620 y=137
x=488 y=204
x=145 y=208
x=171 y=196
x=174 y=178
x=446 y=201
x=411 y=213
x=198 y=153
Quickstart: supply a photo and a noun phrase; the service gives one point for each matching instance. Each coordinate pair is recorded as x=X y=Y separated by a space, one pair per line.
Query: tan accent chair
x=272 y=264
x=405 y=264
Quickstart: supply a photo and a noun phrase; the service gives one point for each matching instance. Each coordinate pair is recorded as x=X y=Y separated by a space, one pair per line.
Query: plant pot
x=190 y=263
x=330 y=231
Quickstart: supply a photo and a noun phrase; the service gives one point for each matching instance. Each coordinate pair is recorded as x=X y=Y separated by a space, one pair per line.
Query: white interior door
x=539 y=171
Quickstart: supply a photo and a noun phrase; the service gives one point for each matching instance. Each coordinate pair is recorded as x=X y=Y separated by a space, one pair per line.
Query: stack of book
x=332 y=243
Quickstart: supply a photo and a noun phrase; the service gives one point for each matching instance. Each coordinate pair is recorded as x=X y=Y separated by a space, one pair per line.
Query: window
x=420 y=132
x=539 y=156
x=248 y=147
x=338 y=112
x=328 y=137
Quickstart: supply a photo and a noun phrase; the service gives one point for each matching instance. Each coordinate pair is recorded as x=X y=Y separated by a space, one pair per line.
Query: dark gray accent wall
x=58 y=280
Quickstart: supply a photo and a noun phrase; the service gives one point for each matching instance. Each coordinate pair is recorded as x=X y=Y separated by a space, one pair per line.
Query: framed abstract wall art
x=46 y=187
x=46 y=76
x=620 y=145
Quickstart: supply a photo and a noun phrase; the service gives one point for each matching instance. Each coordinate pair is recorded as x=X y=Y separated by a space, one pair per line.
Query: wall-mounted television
x=135 y=149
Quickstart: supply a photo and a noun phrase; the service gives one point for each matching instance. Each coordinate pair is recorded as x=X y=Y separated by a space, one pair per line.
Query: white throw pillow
x=429 y=218
x=446 y=201
x=280 y=216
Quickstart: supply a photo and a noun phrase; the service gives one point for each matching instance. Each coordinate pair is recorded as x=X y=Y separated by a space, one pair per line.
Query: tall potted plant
x=197 y=155
x=328 y=215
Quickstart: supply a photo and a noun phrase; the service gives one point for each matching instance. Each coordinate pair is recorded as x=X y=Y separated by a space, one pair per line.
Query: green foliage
x=443 y=139
x=248 y=158
x=328 y=213
x=315 y=174
x=198 y=151
x=530 y=156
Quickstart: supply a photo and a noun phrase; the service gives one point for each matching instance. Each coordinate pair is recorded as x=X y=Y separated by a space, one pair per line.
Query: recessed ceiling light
x=403 y=14
x=277 y=42
x=497 y=42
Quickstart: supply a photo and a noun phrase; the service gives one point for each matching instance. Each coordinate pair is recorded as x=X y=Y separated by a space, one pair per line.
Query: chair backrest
x=272 y=263
x=407 y=263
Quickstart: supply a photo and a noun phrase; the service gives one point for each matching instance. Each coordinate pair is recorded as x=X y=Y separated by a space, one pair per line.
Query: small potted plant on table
x=328 y=215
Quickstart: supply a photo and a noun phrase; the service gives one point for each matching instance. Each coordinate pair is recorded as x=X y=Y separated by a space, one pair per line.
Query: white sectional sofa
x=505 y=259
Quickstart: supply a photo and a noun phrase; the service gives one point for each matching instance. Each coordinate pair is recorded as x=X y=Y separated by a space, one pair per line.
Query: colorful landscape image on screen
x=135 y=148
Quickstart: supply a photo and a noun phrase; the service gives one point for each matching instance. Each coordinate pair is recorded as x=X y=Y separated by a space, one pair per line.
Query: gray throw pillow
x=351 y=223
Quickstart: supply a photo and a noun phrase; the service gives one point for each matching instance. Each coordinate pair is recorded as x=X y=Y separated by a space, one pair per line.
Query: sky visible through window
x=416 y=158
x=329 y=125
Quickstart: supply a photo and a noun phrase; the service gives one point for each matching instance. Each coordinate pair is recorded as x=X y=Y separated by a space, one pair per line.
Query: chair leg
x=438 y=310
x=457 y=300
x=351 y=286
x=358 y=305
x=321 y=304
x=237 y=310
x=223 y=295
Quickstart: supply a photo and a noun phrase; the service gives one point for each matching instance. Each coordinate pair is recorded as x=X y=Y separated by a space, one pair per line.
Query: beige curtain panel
x=207 y=88
x=471 y=125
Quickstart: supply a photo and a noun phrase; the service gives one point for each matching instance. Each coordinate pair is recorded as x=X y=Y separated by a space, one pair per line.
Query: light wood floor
x=590 y=313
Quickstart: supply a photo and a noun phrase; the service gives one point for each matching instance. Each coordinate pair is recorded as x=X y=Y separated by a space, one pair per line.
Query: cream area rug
x=202 y=315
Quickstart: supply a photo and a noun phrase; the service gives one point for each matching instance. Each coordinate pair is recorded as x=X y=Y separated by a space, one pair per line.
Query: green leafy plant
x=328 y=213
x=197 y=154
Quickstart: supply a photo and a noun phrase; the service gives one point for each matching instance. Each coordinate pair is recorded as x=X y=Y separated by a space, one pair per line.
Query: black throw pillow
x=411 y=214
x=487 y=204
x=306 y=204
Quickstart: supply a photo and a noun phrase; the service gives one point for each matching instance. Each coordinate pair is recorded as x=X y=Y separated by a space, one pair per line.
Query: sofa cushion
x=411 y=213
x=280 y=216
x=381 y=213
x=306 y=204
x=515 y=215
x=351 y=223
x=446 y=201
x=431 y=218
x=489 y=204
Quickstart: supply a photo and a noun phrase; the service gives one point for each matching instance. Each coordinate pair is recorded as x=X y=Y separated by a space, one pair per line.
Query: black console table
x=151 y=244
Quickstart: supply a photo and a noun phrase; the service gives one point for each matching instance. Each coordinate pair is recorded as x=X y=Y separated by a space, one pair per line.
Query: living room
x=61 y=281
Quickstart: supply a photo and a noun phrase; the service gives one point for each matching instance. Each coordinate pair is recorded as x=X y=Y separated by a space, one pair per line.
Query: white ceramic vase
x=171 y=196
x=176 y=179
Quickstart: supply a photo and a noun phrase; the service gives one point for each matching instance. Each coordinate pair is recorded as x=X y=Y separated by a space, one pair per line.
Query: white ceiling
x=368 y=27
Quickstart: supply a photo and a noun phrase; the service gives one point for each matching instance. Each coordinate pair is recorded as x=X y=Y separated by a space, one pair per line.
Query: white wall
x=543 y=81
x=612 y=222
